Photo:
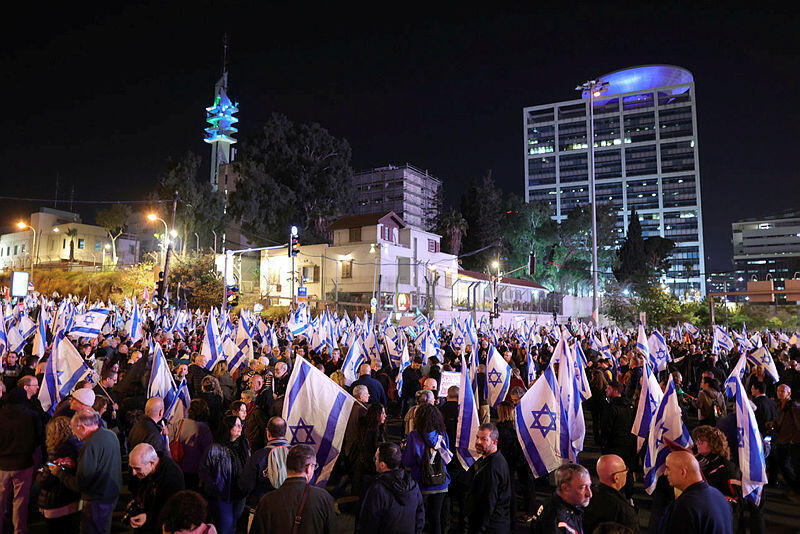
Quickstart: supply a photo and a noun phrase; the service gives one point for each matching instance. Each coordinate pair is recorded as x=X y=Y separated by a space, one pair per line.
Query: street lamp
x=595 y=89
x=197 y=248
x=22 y=226
x=153 y=218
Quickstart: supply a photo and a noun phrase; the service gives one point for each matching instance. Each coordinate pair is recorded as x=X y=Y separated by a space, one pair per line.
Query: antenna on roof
x=225 y=58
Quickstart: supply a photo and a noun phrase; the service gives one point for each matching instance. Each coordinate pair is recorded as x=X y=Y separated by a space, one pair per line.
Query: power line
x=50 y=200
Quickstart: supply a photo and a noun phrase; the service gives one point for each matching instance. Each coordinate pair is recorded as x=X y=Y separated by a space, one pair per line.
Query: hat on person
x=84 y=396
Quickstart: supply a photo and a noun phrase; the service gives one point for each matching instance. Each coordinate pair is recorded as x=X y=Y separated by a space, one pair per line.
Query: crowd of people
x=228 y=466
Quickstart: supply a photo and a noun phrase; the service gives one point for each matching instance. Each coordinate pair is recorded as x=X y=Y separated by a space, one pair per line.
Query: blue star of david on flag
x=298 y=429
x=494 y=377
x=87 y=320
x=765 y=359
x=459 y=341
x=537 y=423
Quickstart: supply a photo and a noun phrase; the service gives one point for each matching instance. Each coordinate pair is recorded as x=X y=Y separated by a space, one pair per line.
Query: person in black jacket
x=608 y=504
x=278 y=509
x=265 y=470
x=700 y=508
x=411 y=384
x=158 y=479
x=614 y=431
x=488 y=506
x=573 y=493
x=376 y=392
x=393 y=503
x=20 y=436
x=147 y=429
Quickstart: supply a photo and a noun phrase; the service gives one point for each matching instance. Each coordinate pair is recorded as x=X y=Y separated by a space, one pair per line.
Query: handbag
x=176 y=446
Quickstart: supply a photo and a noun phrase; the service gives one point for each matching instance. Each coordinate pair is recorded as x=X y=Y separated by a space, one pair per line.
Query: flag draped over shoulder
x=542 y=427
x=316 y=411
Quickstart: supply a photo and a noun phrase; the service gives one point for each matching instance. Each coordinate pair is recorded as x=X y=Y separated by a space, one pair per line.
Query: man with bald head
x=376 y=392
x=155 y=479
x=700 y=508
x=608 y=501
x=148 y=429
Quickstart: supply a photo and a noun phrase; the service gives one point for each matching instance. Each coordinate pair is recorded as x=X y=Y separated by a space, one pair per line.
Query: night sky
x=102 y=99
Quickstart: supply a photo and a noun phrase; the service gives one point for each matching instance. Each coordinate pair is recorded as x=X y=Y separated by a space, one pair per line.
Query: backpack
x=275 y=470
x=433 y=470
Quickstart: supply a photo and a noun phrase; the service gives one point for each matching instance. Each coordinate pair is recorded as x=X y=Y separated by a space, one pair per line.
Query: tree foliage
x=292 y=174
x=200 y=209
x=481 y=207
x=453 y=227
x=200 y=281
x=640 y=261
x=114 y=219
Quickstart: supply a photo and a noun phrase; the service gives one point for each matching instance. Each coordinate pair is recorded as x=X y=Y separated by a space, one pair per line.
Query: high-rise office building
x=409 y=192
x=646 y=158
x=767 y=246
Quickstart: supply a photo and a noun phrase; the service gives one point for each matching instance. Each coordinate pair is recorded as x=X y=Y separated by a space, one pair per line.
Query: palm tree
x=72 y=233
x=453 y=226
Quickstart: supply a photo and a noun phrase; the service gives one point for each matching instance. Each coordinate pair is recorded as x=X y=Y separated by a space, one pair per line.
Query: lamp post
x=197 y=247
x=22 y=226
x=595 y=89
x=153 y=218
x=215 y=241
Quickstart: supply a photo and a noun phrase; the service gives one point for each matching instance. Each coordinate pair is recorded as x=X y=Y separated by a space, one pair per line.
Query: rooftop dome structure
x=644 y=77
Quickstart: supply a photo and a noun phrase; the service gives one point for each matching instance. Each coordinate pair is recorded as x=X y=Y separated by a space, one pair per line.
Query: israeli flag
x=750 y=446
x=498 y=377
x=405 y=361
x=90 y=323
x=570 y=395
x=40 y=338
x=665 y=425
x=64 y=369
x=471 y=333
x=15 y=340
x=459 y=336
x=659 y=351
x=133 y=326
x=531 y=367
x=355 y=357
x=579 y=363
x=738 y=371
x=721 y=341
x=641 y=343
x=316 y=412
x=691 y=329
x=370 y=348
x=298 y=322
x=762 y=356
x=649 y=399
x=468 y=422
x=542 y=427
x=212 y=342
x=3 y=336
x=162 y=384
x=233 y=354
x=394 y=347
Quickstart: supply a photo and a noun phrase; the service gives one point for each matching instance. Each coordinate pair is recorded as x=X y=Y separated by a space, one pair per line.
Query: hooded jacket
x=392 y=505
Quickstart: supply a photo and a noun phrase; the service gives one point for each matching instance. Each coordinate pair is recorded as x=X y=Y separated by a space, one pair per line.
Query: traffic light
x=232 y=296
x=294 y=242
x=159 y=293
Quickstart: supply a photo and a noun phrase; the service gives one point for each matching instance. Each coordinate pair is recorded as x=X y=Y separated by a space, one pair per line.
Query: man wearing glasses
x=608 y=502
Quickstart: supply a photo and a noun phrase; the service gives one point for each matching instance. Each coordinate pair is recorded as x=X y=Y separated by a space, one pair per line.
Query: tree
x=200 y=280
x=114 y=219
x=640 y=261
x=452 y=225
x=72 y=233
x=292 y=174
x=520 y=223
x=200 y=209
x=481 y=207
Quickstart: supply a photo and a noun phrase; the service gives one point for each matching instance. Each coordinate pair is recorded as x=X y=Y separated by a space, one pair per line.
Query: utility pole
x=595 y=89
x=294 y=247
x=164 y=291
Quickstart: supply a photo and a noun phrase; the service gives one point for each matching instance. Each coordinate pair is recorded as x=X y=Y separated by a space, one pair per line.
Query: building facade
x=409 y=192
x=767 y=247
x=646 y=159
x=90 y=244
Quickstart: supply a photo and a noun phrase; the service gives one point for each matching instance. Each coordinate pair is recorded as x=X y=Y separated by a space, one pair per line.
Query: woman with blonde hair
x=714 y=457
x=59 y=504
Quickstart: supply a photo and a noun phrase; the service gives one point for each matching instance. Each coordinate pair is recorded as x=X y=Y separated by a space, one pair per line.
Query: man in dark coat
x=700 y=508
x=195 y=375
x=393 y=503
x=615 y=426
x=572 y=496
x=488 y=503
x=157 y=479
x=411 y=383
x=608 y=503
x=277 y=510
x=146 y=429
x=376 y=392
